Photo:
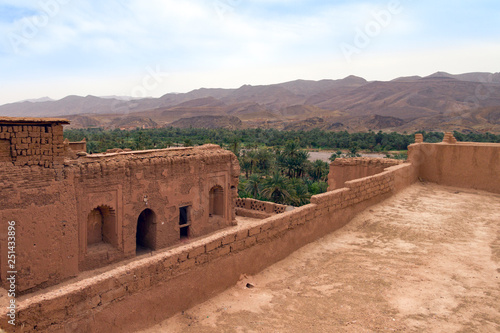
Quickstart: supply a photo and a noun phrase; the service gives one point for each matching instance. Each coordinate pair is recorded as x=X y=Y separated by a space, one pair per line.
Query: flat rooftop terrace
x=424 y=260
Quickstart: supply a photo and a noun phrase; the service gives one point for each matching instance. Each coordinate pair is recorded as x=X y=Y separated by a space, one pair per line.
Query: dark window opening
x=184 y=232
x=184 y=221
x=183 y=215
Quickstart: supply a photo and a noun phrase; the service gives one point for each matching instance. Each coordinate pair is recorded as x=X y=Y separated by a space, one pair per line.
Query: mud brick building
x=79 y=212
x=31 y=141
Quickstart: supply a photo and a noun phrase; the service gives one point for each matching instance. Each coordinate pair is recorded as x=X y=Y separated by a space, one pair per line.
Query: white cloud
x=109 y=42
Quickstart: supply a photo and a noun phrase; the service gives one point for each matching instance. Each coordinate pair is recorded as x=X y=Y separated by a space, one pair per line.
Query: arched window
x=216 y=201
x=101 y=226
x=146 y=231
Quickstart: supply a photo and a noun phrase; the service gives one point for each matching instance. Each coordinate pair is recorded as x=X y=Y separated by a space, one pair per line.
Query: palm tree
x=242 y=193
x=292 y=159
x=253 y=186
x=252 y=157
x=246 y=165
x=263 y=159
x=235 y=146
x=301 y=195
x=277 y=190
x=319 y=170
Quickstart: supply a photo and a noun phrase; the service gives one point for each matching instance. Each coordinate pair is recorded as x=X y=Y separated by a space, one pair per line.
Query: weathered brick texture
x=39 y=143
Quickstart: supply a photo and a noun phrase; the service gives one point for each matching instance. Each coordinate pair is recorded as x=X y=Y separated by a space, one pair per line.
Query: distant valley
x=439 y=102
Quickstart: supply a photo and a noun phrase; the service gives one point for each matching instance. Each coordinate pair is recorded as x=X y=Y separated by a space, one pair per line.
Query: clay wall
x=43 y=205
x=163 y=184
x=468 y=165
x=258 y=209
x=78 y=146
x=345 y=169
x=31 y=143
x=54 y=208
x=143 y=292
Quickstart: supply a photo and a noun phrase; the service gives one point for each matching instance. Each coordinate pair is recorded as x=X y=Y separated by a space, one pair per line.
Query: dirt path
x=426 y=260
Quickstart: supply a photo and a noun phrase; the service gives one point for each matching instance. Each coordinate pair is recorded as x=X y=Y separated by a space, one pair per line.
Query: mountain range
x=440 y=102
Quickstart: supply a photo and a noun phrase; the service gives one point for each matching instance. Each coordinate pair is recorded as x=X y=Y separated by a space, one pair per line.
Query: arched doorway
x=216 y=201
x=101 y=226
x=146 y=231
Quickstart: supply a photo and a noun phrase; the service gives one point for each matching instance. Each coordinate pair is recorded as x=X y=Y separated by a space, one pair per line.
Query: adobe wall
x=468 y=165
x=31 y=141
x=162 y=181
x=345 y=169
x=258 y=209
x=78 y=146
x=43 y=205
x=51 y=207
x=145 y=291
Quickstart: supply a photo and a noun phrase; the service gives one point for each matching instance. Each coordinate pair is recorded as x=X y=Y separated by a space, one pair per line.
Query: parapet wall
x=467 y=165
x=262 y=206
x=257 y=209
x=345 y=169
x=143 y=292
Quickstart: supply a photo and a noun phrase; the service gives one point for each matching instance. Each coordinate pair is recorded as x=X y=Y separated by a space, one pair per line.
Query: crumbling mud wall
x=345 y=169
x=98 y=209
x=31 y=141
x=175 y=189
x=463 y=164
x=145 y=291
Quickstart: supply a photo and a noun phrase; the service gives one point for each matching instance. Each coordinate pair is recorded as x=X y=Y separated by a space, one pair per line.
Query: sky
x=143 y=48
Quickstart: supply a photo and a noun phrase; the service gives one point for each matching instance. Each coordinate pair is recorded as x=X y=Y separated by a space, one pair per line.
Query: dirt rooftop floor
x=426 y=260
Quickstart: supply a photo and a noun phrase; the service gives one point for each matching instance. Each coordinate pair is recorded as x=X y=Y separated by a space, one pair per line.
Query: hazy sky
x=151 y=47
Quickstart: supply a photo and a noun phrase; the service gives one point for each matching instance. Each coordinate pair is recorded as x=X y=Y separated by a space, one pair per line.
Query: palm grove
x=283 y=174
x=274 y=164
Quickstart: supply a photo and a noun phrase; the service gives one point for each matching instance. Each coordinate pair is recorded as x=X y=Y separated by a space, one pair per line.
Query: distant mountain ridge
x=41 y=99
x=400 y=104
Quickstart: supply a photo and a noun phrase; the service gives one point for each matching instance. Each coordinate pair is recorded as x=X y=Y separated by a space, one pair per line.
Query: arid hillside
x=227 y=122
x=442 y=101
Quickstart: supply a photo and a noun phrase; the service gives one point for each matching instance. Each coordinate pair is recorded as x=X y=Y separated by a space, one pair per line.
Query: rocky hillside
x=211 y=122
x=441 y=101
